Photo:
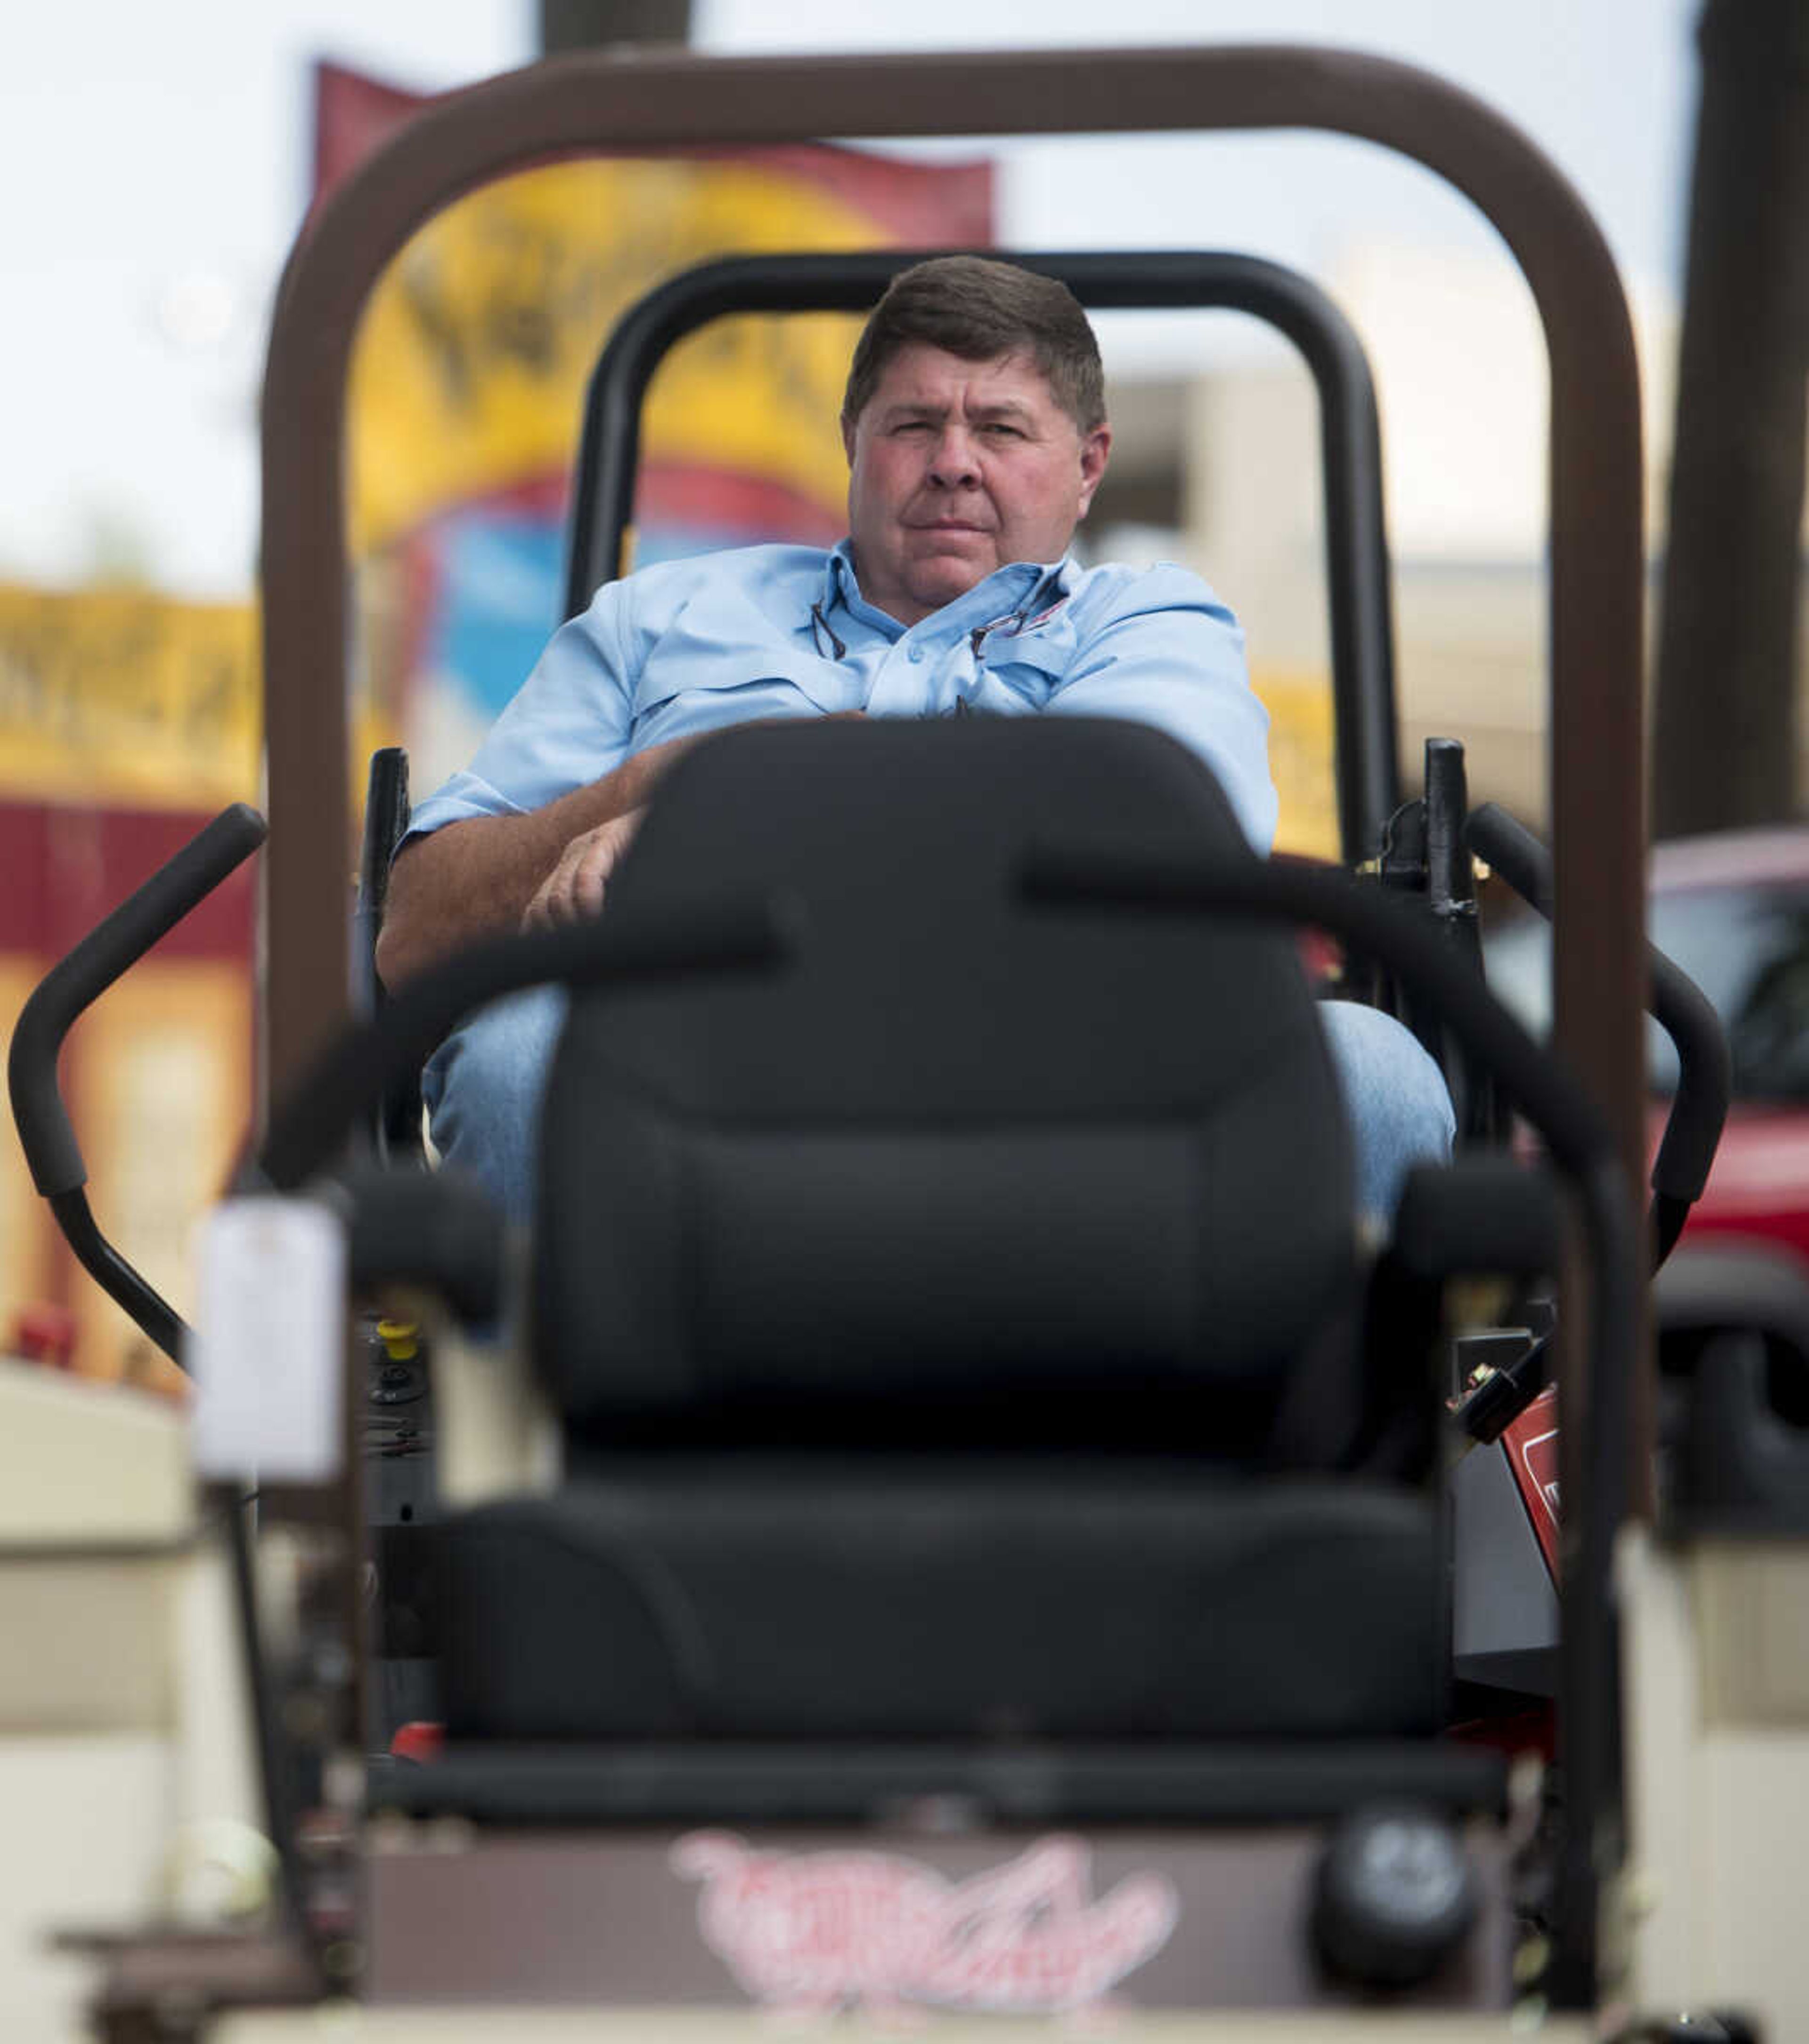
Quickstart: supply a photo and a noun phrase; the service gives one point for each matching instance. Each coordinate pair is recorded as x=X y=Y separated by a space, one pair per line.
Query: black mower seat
x=953 y=1332
x=760 y=1597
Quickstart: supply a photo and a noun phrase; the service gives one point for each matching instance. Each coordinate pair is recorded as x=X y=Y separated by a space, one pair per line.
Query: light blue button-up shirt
x=693 y=646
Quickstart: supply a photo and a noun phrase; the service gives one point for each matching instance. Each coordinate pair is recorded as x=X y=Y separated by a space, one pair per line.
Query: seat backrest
x=969 y=1169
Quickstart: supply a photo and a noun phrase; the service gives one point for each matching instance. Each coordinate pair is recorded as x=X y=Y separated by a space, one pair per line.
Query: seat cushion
x=741 y=1597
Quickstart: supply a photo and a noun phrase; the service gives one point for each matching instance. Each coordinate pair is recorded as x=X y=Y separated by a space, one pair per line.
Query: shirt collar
x=1022 y=586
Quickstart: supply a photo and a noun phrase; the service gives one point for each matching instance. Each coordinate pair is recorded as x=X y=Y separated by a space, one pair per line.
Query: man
x=975 y=428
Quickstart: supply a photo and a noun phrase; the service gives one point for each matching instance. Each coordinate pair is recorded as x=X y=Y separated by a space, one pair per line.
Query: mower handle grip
x=152 y=911
x=1698 y=1107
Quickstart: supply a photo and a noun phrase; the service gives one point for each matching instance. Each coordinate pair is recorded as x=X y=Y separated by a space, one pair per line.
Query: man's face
x=956 y=468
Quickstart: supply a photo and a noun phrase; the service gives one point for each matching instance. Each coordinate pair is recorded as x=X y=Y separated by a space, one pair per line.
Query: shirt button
x=915 y=656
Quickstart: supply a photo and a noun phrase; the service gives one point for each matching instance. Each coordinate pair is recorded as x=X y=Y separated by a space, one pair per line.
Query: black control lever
x=1705 y=1080
x=46 y=1134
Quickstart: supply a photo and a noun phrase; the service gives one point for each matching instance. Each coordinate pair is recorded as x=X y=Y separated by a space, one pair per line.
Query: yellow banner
x=123 y=698
x=473 y=356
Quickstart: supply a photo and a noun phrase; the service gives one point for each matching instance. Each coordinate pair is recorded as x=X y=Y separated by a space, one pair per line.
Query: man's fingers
x=590 y=872
x=574 y=891
x=552 y=903
x=537 y=915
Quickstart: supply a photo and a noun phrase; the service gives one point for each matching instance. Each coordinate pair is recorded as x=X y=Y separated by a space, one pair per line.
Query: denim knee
x=1395 y=1096
x=483 y=1088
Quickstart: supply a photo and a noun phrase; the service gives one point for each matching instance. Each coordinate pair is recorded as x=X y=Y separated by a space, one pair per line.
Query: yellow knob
x=400 y=1338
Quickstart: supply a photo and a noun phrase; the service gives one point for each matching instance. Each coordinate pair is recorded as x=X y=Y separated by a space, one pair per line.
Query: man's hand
x=485 y=876
x=573 y=891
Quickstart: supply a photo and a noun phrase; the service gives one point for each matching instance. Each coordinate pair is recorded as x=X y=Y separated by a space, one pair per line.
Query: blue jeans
x=483 y=1085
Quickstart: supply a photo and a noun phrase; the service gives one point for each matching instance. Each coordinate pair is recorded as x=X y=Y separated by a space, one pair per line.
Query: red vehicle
x=1731 y=911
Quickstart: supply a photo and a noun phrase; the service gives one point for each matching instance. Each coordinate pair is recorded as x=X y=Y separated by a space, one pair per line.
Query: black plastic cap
x=1394 y=1897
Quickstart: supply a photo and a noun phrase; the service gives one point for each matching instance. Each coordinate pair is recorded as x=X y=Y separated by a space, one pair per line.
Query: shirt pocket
x=1030 y=665
x=684 y=663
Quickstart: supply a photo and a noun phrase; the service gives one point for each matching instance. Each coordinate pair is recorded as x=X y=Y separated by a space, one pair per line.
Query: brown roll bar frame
x=627 y=101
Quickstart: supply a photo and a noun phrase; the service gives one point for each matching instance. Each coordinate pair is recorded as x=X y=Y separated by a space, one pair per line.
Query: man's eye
x=1000 y=430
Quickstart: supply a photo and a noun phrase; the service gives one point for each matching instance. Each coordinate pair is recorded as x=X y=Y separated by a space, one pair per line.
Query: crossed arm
x=487 y=876
x=1171 y=657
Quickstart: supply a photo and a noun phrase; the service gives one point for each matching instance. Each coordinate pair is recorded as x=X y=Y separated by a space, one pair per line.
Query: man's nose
x=955 y=461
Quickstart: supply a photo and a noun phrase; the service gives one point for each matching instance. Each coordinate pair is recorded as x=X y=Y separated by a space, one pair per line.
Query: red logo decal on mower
x=811 y=1932
x=1530 y=1444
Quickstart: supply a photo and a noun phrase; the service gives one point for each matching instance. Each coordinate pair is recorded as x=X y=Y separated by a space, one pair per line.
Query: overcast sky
x=155 y=161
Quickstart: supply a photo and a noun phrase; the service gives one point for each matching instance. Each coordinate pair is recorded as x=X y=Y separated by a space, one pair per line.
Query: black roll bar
x=1358 y=567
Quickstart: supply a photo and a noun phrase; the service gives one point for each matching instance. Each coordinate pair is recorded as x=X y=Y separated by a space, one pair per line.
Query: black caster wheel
x=1394 y=1899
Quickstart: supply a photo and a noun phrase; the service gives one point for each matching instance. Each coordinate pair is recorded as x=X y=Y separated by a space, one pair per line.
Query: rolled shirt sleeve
x=680 y=649
x=569 y=723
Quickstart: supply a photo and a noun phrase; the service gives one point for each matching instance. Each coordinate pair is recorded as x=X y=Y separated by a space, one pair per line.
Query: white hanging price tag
x=267 y=1352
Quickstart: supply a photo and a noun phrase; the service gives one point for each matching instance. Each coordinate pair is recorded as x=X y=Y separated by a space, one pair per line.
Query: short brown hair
x=979 y=310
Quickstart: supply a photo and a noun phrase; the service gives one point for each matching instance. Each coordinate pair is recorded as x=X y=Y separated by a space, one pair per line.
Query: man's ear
x=848 y=438
x=1095 y=450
